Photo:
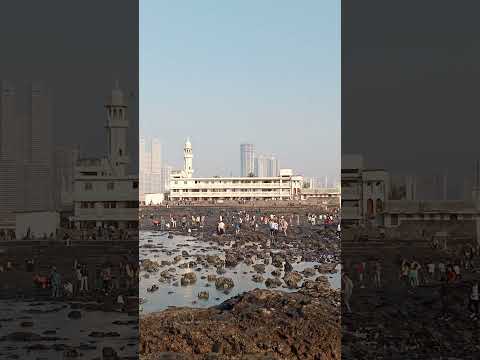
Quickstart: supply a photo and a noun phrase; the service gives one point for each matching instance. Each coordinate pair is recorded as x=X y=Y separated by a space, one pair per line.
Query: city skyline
x=241 y=79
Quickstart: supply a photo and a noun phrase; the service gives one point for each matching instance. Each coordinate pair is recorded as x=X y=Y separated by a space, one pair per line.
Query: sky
x=410 y=94
x=223 y=73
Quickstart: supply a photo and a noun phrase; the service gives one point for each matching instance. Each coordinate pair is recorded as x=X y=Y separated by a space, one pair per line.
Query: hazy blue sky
x=225 y=72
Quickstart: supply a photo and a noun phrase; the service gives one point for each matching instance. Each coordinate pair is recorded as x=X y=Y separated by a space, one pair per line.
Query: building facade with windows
x=104 y=193
x=363 y=192
x=183 y=186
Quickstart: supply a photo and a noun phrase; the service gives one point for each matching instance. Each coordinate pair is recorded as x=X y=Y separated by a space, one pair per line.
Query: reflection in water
x=45 y=321
x=170 y=295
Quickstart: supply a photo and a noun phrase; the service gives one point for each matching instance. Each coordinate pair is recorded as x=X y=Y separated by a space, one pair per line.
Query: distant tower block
x=188 y=159
x=117 y=130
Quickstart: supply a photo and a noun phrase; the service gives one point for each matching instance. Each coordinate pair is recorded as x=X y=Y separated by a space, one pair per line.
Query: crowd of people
x=83 y=280
x=442 y=271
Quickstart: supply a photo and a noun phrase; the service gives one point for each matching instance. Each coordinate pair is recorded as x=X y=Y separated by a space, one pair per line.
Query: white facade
x=185 y=187
x=363 y=192
x=236 y=188
x=104 y=194
x=154 y=199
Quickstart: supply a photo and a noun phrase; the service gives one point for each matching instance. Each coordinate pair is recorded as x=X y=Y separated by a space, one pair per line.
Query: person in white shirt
x=456 y=268
x=221 y=228
x=474 y=300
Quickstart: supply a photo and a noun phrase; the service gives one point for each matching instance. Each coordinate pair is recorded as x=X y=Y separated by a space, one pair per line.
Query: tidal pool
x=162 y=248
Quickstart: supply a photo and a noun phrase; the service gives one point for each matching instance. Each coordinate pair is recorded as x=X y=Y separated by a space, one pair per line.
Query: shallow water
x=75 y=331
x=168 y=295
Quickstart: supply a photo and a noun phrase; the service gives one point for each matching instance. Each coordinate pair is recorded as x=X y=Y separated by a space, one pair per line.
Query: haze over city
x=226 y=74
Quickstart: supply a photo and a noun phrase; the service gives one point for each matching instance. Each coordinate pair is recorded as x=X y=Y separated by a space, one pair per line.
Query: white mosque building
x=105 y=194
x=183 y=186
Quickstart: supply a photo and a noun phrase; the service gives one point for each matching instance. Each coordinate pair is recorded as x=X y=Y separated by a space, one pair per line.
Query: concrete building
x=364 y=192
x=156 y=157
x=266 y=165
x=247 y=159
x=65 y=161
x=321 y=193
x=104 y=193
x=397 y=212
x=27 y=179
x=273 y=166
x=185 y=187
x=261 y=165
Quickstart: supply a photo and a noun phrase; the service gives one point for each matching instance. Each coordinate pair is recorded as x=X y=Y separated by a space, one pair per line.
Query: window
x=110 y=186
x=135 y=184
x=88 y=186
x=394 y=220
x=110 y=205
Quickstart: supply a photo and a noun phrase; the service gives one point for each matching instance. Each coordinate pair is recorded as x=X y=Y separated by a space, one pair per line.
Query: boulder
x=188 y=279
x=292 y=279
x=273 y=283
x=257 y=278
x=224 y=283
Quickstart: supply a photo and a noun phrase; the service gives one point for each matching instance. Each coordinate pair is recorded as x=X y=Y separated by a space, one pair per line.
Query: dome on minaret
x=188 y=144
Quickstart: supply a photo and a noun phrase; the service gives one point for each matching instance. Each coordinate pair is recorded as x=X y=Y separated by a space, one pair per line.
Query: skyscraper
x=261 y=165
x=273 y=168
x=247 y=159
x=156 y=156
x=150 y=167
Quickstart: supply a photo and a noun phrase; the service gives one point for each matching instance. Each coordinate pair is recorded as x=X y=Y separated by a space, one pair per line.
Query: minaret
x=188 y=159
x=117 y=130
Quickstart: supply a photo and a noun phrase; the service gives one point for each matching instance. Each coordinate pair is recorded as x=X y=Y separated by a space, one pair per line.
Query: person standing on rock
x=377 y=274
x=442 y=271
x=285 y=227
x=55 y=282
x=348 y=290
x=474 y=300
x=456 y=269
x=78 y=280
x=361 y=271
x=272 y=228
x=84 y=279
x=221 y=228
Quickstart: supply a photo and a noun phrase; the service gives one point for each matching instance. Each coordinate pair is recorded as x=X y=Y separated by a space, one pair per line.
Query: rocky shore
x=294 y=315
x=257 y=324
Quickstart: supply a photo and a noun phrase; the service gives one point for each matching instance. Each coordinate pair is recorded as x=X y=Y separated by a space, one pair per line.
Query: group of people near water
x=441 y=270
x=275 y=223
x=83 y=280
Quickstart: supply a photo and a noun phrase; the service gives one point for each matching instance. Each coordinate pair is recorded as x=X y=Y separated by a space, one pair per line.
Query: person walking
x=55 y=282
x=348 y=290
x=474 y=300
x=84 y=279
x=361 y=267
x=377 y=274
